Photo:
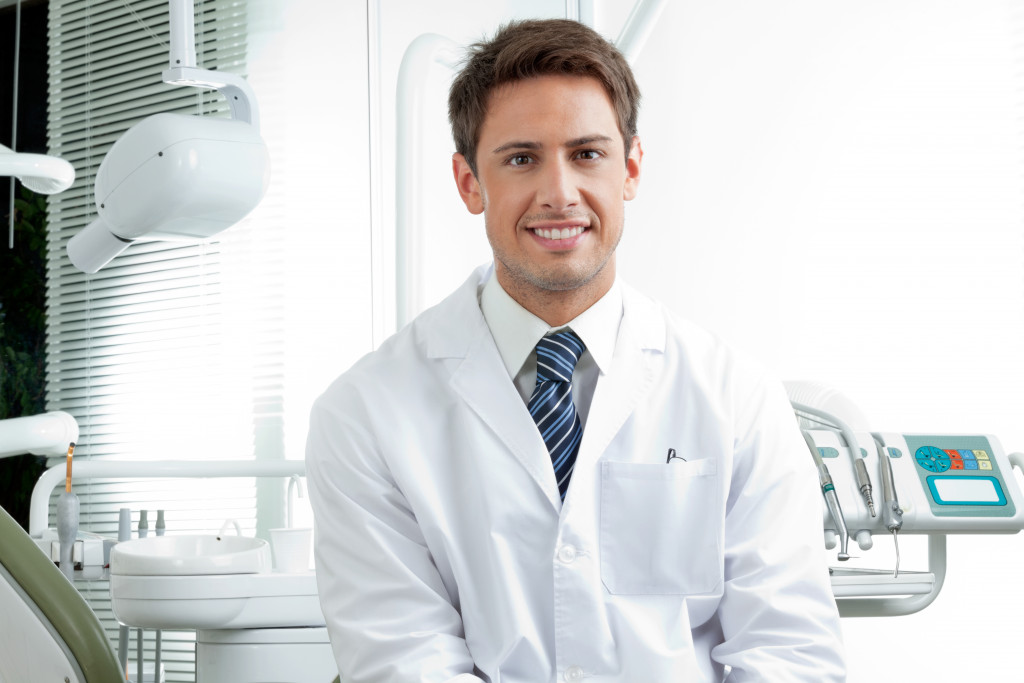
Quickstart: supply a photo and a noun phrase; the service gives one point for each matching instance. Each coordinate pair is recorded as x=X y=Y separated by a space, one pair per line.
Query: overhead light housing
x=175 y=176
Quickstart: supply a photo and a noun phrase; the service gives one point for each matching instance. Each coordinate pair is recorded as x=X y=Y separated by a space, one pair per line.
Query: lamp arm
x=239 y=94
x=45 y=434
x=182 y=69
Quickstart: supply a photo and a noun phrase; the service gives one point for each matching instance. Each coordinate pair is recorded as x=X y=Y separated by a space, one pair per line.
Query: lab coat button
x=567 y=555
x=573 y=673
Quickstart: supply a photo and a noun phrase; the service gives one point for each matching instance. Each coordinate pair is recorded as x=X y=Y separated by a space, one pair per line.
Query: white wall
x=834 y=187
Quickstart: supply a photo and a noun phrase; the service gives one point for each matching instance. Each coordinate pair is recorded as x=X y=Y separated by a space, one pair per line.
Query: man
x=628 y=502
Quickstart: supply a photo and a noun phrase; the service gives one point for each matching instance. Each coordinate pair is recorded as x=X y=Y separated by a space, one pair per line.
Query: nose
x=558 y=189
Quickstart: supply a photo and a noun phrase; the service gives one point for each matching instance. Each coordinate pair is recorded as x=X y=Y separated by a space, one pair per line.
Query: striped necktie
x=551 y=405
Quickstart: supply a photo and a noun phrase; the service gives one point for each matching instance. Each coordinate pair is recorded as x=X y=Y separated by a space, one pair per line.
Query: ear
x=469 y=186
x=636 y=155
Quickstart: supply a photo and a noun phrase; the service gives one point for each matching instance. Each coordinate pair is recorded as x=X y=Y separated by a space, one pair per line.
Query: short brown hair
x=527 y=49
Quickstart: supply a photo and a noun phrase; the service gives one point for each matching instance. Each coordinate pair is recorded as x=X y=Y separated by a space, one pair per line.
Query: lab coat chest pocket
x=660 y=530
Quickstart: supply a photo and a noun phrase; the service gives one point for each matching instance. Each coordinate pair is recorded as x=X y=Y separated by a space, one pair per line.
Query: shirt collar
x=516 y=331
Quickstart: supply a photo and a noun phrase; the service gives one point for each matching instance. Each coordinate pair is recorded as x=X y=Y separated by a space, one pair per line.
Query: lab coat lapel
x=639 y=352
x=481 y=381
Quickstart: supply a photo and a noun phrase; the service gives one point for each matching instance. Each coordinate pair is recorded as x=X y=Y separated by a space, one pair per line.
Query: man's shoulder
x=440 y=331
x=700 y=350
x=656 y=324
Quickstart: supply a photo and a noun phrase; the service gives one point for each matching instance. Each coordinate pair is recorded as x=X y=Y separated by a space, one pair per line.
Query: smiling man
x=548 y=476
x=551 y=174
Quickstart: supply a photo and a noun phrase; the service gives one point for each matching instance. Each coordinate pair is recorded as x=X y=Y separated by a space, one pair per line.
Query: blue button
x=970 y=464
x=968 y=455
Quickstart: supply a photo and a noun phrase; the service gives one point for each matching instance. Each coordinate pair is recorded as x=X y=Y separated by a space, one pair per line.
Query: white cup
x=291 y=549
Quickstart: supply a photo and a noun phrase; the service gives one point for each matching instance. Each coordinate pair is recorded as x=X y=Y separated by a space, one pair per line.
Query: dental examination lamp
x=175 y=176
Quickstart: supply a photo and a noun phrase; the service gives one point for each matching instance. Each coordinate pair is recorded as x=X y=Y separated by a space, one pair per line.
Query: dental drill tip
x=896 y=544
x=871 y=507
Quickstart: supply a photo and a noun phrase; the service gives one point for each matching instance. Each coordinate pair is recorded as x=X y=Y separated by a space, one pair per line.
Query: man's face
x=551 y=182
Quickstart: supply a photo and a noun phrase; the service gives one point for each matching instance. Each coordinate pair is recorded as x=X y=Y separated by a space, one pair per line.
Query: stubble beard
x=526 y=281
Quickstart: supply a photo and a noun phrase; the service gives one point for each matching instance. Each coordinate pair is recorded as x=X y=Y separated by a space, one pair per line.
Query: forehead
x=546 y=106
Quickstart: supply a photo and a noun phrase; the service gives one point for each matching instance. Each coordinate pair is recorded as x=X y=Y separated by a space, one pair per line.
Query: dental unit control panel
x=891 y=484
x=944 y=484
x=887 y=483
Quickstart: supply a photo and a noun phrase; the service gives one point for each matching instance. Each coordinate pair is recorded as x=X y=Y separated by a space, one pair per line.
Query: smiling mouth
x=559 y=233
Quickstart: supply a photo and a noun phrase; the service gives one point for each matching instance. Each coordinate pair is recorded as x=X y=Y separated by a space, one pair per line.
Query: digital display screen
x=966 y=491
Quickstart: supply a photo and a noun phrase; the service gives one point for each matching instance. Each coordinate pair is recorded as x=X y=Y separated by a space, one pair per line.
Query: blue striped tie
x=551 y=404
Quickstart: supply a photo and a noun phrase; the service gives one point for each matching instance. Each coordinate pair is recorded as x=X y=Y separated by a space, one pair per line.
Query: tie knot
x=557 y=356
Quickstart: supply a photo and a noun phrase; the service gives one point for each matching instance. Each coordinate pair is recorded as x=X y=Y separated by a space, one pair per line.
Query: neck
x=557 y=307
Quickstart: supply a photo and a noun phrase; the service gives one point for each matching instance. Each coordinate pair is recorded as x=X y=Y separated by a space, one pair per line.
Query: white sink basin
x=207 y=582
x=228 y=601
x=190 y=556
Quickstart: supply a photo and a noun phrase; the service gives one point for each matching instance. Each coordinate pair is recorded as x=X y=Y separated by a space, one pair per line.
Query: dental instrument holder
x=934 y=490
x=828 y=491
x=892 y=513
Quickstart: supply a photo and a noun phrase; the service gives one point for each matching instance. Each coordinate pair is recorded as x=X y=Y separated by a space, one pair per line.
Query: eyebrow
x=575 y=142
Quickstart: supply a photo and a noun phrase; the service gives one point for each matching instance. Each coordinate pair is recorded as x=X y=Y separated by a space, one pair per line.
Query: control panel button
x=981 y=455
x=956 y=464
x=971 y=465
x=933 y=459
x=984 y=464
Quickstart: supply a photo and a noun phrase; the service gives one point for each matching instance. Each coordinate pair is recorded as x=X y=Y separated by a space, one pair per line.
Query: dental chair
x=47 y=630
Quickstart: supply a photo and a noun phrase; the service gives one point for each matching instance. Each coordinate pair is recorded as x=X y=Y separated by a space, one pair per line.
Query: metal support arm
x=111 y=469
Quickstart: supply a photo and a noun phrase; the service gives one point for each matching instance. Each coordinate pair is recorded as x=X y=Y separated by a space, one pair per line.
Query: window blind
x=173 y=350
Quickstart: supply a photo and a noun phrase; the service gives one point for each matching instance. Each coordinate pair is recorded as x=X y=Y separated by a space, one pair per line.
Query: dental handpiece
x=892 y=513
x=864 y=482
x=828 y=490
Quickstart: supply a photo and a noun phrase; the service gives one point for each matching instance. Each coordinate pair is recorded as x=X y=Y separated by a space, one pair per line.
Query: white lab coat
x=443 y=552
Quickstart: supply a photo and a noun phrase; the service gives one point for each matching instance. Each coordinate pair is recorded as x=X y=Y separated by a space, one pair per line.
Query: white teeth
x=556 y=234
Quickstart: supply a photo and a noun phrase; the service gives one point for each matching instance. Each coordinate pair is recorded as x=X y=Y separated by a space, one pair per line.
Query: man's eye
x=519 y=160
x=588 y=154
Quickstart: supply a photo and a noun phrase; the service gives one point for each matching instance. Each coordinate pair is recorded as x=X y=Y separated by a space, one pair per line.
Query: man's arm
x=388 y=613
x=778 y=613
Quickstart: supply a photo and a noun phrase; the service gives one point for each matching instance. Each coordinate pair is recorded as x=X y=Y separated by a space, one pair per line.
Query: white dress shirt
x=516 y=332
